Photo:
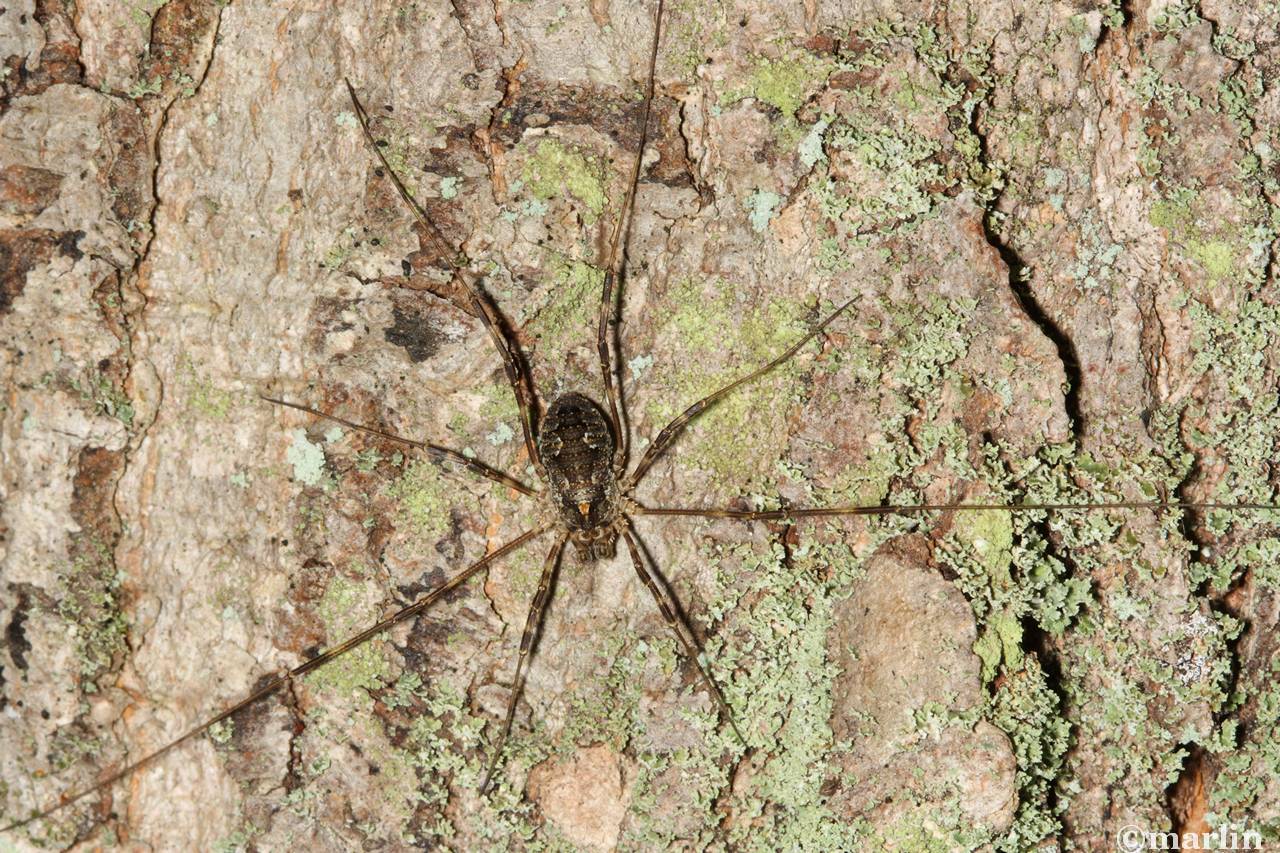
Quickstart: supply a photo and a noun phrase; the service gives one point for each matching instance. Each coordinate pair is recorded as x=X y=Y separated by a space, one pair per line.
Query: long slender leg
x=617 y=259
x=276 y=683
x=434 y=451
x=531 y=625
x=678 y=627
x=671 y=430
x=521 y=384
x=792 y=513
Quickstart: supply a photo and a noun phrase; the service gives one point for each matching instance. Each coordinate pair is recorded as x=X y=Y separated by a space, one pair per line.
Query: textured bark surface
x=1059 y=220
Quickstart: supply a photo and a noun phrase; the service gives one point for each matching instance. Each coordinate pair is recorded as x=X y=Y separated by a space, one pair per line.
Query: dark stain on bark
x=413 y=333
x=27 y=190
x=127 y=170
x=93 y=493
x=178 y=27
x=22 y=250
x=1186 y=797
x=59 y=58
x=607 y=113
x=15 y=634
x=299 y=627
x=15 y=639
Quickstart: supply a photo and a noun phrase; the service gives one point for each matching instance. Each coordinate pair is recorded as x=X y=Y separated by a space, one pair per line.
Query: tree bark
x=1058 y=223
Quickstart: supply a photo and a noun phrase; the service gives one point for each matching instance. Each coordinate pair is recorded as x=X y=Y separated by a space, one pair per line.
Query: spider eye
x=552 y=445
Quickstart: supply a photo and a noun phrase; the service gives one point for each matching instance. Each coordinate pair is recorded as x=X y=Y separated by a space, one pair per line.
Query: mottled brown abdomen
x=576 y=447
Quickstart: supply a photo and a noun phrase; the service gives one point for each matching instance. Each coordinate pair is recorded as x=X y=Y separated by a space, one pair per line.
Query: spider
x=579 y=452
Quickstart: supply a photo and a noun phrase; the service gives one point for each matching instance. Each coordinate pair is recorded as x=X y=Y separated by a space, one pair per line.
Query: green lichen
x=1007 y=584
x=1096 y=254
x=144 y=88
x=899 y=178
x=779 y=683
x=930 y=337
x=693 y=30
x=1148 y=155
x=1009 y=567
x=778 y=679
x=718 y=338
x=438 y=751
x=87 y=590
x=70 y=746
x=1238 y=98
x=810 y=150
x=1251 y=766
x=884 y=172
x=341 y=249
x=1126 y=686
x=104 y=395
x=1084 y=31
x=307 y=460
x=1226 y=42
x=424 y=495
x=606 y=710
x=1232 y=346
x=565 y=320
x=762 y=206
x=220 y=733
x=347 y=607
x=1153 y=89
x=1028 y=710
x=785 y=83
x=863 y=483
x=555 y=169
x=1215 y=248
x=498 y=406
x=1218 y=258
x=913 y=367
x=1178 y=15
x=236 y=841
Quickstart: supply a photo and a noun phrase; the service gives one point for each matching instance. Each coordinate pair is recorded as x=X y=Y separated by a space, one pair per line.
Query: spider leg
x=615 y=266
x=279 y=681
x=678 y=626
x=531 y=626
x=434 y=451
x=517 y=376
x=671 y=430
x=794 y=513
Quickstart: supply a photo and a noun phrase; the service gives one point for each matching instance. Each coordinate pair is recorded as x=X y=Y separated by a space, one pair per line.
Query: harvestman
x=580 y=455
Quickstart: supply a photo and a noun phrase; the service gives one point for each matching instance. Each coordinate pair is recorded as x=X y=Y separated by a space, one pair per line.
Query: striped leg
x=531 y=626
x=671 y=430
x=434 y=451
x=615 y=266
x=796 y=513
x=679 y=627
x=281 y=680
x=521 y=384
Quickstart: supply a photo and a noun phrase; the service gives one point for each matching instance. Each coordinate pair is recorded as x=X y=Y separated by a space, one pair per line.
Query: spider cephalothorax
x=577 y=450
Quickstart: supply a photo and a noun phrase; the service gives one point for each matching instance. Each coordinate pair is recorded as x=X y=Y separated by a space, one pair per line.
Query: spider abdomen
x=576 y=446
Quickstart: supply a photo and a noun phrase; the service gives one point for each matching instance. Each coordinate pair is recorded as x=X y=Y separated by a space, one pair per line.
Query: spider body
x=577 y=445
